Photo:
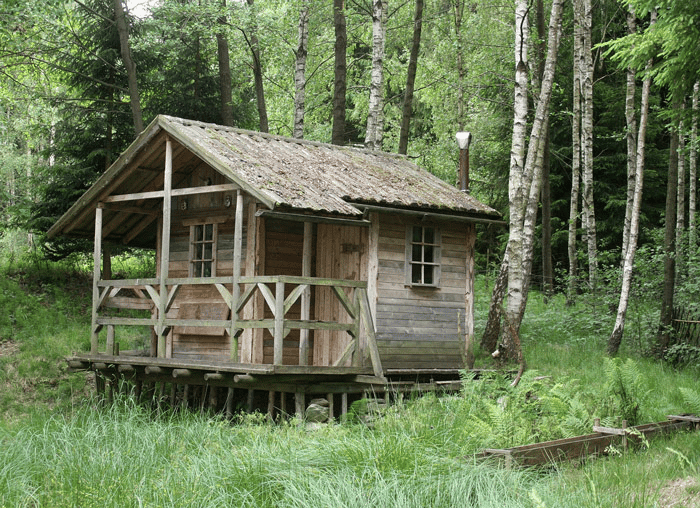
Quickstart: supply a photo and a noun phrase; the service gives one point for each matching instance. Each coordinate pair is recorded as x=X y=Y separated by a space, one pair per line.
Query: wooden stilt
x=138 y=387
x=173 y=394
x=251 y=396
x=213 y=398
x=331 y=406
x=283 y=403
x=271 y=406
x=343 y=403
x=300 y=404
x=229 y=403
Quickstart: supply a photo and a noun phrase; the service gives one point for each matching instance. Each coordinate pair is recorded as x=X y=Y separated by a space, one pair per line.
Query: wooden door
x=341 y=253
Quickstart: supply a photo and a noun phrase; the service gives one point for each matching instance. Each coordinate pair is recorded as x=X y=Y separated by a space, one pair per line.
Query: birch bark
x=632 y=147
x=375 y=118
x=615 y=338
x=300 y=70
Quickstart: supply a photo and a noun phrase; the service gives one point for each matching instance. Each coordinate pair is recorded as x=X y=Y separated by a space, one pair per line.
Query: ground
x=680 y=493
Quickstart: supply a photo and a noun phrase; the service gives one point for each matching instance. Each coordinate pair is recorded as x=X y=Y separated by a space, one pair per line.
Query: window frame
x=436 y=262
x=193 y=259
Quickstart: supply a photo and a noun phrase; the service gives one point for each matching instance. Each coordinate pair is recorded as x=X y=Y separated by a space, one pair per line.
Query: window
x=203 y=250
x=423 y=256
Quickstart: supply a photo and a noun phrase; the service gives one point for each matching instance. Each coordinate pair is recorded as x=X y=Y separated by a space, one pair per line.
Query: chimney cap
x=463 y=140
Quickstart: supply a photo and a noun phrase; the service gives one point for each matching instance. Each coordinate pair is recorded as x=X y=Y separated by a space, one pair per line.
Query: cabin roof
x=283 y=173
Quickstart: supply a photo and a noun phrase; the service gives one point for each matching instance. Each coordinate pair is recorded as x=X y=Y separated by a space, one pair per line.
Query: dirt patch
x=8 y=348
x=680 y=493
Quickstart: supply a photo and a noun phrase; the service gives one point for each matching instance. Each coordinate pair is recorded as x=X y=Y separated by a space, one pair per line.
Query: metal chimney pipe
x=463 y=140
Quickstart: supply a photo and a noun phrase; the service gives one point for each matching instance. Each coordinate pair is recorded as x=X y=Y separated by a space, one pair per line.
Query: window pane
x=207 y=251
x=206 y=269
x=416 y=253
x=417 y=233
x=209 y=232
x=429 y=235
x=197 y=270
x=428 y=275
x=198 y=233
x=416 y=274
x=428 y=253
x=198 y=251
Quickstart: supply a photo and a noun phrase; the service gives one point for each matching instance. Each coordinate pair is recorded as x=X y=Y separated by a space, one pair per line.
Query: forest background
x=80 y=80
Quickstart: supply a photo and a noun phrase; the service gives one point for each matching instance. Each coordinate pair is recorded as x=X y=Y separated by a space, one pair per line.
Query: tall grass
x=60 y=448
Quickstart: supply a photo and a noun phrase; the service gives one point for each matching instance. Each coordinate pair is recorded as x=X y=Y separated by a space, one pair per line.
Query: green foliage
x=626 y=388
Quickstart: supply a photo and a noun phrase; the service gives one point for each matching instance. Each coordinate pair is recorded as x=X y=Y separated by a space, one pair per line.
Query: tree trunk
x=375 y=116
x=411 y=78
x=575 y=162
x=134 y=97
x=523 y=209
x=489 y=340
x=254 y=46
x=630 y=250
x=693 y=175
x=587 y=144
x=632 y=147
x=546 y=197
x=224 y=72
x=458 y=9
x=300 y=70
x=680 y=200
x=664 y=334
x=341 y=41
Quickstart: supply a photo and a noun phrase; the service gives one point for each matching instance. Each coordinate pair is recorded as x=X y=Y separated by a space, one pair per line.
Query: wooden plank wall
x=202 y=301
x=418 y=327
x=341 y=253
x=284 y=241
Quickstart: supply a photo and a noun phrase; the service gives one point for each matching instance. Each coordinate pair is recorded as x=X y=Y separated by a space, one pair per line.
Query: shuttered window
x=422 y=256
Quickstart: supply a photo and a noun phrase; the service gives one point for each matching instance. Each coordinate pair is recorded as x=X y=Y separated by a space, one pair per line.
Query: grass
x=58 y=447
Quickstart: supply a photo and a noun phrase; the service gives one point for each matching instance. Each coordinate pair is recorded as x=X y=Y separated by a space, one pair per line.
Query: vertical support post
x=278 y=348
x=271 y=406
x=306 y=295
x=331 y=407
x=229 y=403
x=97 y=256
x=236 y=290
x=165 y=246
x=300 y=404
x=110 y=340
x=469 y=300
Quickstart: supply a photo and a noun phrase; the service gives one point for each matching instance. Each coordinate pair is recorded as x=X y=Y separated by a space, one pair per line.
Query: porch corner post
x=306 y=295
x=236 y=276
x=469 y=299
x=161 y=329
x=96 y=275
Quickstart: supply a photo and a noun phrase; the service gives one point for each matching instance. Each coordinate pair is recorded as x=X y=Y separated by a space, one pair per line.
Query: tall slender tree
x=630 y=249
x=411 y=78
x=300 y=55
x=224 y=70
x=130 y=65
x=254 y=45
x=340 y=82
x=375 y=116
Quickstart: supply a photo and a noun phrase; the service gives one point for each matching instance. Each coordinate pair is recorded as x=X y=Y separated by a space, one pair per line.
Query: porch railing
x=352 y=296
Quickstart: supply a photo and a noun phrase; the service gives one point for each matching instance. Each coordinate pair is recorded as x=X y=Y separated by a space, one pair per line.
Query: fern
x=691 y=400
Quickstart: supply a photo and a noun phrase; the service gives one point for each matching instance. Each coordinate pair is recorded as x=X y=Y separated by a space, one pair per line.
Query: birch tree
x=631 y=138
x=300 y=70
x=630 y=249
x=525 y=175
x=693 y=172
x=375 y=116
x=680 y=197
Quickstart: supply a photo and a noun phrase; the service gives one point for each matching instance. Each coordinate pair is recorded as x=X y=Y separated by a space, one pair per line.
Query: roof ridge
x=278 y=137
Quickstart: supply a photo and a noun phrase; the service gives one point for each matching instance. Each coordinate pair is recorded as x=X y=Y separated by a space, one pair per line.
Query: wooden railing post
x=161 y=329
x=96 y=274
x=236 y=289
x=278 y=353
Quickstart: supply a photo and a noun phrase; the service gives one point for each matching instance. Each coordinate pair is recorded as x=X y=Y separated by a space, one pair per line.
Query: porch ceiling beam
x=175 y=192
x=300 y=217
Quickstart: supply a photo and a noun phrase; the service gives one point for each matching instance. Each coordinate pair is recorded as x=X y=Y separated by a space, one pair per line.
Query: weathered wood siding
x=202 y=302
x=284 y=242
x=418 y=327
x=341 y=253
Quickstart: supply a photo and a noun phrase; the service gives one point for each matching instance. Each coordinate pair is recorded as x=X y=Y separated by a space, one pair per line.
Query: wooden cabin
x=281 y=264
